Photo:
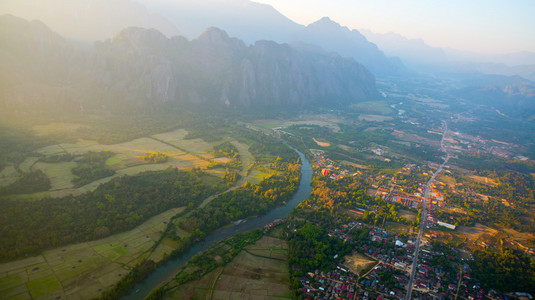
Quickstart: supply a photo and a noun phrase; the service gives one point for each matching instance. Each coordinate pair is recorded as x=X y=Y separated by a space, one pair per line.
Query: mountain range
x=272 y=60
x=419 y=56
x=142 y=67
x=246 y=20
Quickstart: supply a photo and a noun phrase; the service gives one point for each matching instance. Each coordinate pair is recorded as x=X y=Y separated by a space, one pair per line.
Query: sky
x=485 y=26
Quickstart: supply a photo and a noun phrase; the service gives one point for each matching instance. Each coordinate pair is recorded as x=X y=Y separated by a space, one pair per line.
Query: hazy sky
x=489 y=26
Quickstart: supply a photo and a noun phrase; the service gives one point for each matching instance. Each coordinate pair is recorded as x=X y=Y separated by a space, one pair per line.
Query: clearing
x=358 y=263
x=407 y=214
x=321 y=144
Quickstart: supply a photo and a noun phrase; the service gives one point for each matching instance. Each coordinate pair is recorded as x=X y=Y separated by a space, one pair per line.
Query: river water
x=165 y=272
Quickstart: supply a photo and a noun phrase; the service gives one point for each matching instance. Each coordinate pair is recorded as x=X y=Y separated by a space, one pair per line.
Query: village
x=439 y=275
x=441 y=272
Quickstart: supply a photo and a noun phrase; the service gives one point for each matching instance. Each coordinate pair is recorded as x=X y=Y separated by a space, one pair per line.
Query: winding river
x=165 y=272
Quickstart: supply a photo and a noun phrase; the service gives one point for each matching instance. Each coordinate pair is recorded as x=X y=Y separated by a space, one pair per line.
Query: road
x=423 y=219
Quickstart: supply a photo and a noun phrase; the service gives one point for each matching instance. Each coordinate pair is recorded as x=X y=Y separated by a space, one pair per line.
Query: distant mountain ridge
x=414 y=52
x=142 y=67
x=252 y=21
x=247 y=20
x=331 y=36
x=88 y=21
x=421 y=57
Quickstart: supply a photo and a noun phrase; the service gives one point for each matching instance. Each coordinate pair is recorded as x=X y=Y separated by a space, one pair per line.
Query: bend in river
x=163 y=273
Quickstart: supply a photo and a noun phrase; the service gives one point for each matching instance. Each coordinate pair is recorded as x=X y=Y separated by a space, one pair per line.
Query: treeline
x=28 y=227
x=32 y=182
x=508 y=270
x=91 y=167
x=244 y=202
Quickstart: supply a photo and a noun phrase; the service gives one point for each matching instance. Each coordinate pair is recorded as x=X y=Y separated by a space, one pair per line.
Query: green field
x=373 y=107
x=8 y=176
x=81 y=270
x=126 y=161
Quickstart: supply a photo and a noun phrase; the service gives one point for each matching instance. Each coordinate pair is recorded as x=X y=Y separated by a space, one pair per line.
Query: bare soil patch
x=475 y=232
x=358 y=262
x=407 y=214
x=483 y=180
x=321 y=144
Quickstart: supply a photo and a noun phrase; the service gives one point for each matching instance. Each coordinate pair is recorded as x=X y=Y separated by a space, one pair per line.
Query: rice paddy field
x=259 y=272
x=128 y=160
x=84 y=270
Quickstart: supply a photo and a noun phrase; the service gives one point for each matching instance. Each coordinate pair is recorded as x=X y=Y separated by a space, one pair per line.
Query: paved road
x=423 y=219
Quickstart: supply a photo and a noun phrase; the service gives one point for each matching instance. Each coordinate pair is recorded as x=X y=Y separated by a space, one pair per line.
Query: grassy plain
x=84 y=270
x=376 y=107
x=325 y=120
x=374 y=118
x=8 y=175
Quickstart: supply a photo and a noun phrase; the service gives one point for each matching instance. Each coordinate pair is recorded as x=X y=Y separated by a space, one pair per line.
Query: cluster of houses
x=337 y=284
x=273 y=224
x=373 y=288
x=394 y=255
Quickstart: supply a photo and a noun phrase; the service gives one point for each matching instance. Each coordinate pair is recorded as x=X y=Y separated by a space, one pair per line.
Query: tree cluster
x=29 y=227
x=508 y=270
x=28 y=183
x=91 y=167
x=156 y=157
x=243 y=202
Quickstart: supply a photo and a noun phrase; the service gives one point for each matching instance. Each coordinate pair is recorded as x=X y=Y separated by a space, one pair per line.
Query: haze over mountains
x=320 y=64
x=88 y=21
x=142 y=67
x=418 y=55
